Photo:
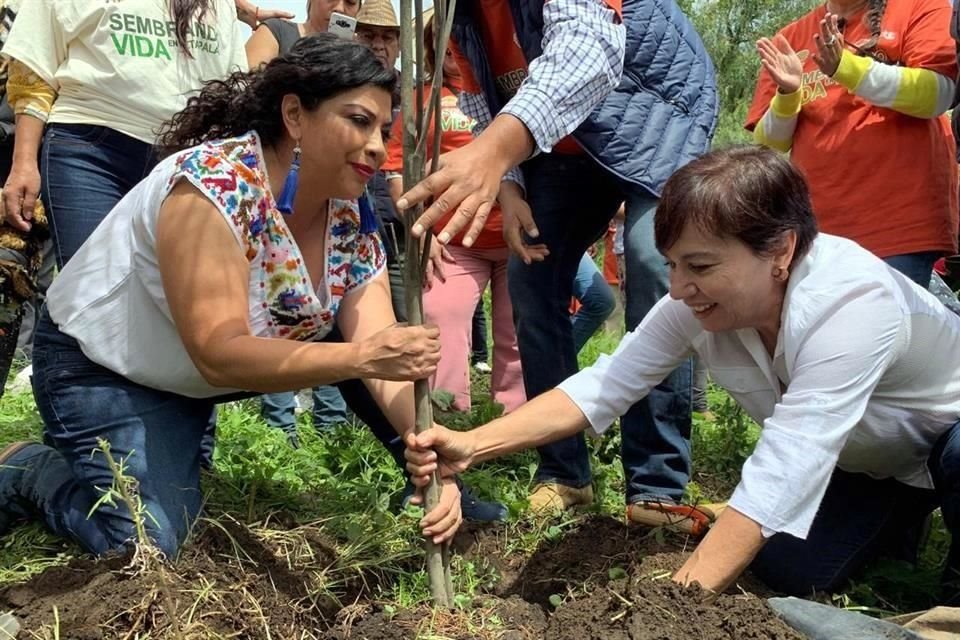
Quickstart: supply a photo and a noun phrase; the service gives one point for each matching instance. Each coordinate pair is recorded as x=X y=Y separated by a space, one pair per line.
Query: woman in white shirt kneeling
x=226 y=270
x=852 y=370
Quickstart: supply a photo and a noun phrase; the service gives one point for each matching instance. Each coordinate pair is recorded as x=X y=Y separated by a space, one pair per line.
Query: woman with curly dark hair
x=225 y=271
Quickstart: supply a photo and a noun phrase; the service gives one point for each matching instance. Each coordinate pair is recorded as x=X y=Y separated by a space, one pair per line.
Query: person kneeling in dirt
x=851 y=368
x=200 y=284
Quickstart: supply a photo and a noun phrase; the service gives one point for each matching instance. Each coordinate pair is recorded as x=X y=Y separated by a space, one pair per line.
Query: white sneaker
x=302 y=401
x=21 y=382
x=482 y=367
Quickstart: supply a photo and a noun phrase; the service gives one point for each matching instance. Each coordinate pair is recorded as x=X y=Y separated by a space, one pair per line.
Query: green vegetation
x=343 y=488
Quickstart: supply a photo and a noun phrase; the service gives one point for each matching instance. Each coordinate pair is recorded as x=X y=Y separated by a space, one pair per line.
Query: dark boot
x=17 y=474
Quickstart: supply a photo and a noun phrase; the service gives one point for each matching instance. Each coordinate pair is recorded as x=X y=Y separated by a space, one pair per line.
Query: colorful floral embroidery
x=283 y=303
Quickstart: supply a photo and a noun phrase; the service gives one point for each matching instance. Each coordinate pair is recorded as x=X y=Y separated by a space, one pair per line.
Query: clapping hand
x=829 y=45
x=781 y=62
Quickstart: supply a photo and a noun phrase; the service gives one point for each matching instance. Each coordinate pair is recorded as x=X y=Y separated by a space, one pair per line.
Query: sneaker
x=13 y=464
x=302 y=401
x=21 y=381
x=482 y=367
x=550 y=498
x=691 y=520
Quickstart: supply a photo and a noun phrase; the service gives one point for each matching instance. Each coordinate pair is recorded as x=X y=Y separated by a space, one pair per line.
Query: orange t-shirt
x=611 y=271
x=457 y=132
x=507 y=62
x=881 y=178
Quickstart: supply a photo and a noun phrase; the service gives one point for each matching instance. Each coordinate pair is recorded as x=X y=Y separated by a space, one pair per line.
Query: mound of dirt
x=492 y=619
x=612 y=581
x=227 y=583
x=599 y=580
x=645 y=609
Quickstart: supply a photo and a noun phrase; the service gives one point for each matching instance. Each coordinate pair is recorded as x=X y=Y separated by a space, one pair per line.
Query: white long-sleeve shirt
x=865 y=377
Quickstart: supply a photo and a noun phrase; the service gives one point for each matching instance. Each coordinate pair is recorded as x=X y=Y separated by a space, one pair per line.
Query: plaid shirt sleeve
x=582 y=61
x=474 y=105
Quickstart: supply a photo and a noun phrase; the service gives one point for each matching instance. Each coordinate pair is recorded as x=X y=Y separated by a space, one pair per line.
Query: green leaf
x=555 y=600
x=442 y=399
x=617 y=573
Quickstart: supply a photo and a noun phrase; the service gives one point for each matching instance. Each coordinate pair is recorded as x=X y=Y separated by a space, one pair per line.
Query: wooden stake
x=415 y=127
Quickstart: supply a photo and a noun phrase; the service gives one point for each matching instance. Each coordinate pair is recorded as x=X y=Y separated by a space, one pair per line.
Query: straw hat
x=427 y=16
x=378 y=13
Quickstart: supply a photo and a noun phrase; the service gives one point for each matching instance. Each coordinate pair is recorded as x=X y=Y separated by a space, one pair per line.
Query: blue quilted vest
x=661 y=116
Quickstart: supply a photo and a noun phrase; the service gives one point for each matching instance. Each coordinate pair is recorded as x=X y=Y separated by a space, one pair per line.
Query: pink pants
x=450 y=305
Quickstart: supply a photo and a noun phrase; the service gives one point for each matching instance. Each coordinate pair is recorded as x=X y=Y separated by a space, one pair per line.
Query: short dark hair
x=748 y=192
x=317 y=68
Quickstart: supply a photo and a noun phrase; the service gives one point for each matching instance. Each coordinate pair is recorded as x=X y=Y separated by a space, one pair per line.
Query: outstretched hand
x=466 y=183
x=468 y=180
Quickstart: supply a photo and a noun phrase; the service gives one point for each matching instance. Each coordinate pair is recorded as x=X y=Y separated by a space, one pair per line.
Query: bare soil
x=609 y=580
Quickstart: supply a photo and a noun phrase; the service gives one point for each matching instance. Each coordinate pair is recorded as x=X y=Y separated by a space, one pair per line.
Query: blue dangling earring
x=368 y=219
x=285 y=203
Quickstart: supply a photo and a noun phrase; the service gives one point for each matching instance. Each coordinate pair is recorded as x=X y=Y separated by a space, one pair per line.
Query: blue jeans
x=596 y=301
x=916 y=266
x=279 y=409
x=157 y=434
x=860 y=518
x=85 y=170
x=160 y=436
x=701 y=382
x=573 y=199
x=355 y=396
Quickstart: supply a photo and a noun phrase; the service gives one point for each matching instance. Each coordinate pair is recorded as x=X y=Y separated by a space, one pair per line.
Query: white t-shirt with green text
x=116 y=63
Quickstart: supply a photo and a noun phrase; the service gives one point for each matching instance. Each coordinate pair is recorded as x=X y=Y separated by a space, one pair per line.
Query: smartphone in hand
x=342 y=25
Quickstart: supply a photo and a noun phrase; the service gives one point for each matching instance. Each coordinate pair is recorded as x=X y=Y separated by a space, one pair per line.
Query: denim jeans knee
x=154 y=435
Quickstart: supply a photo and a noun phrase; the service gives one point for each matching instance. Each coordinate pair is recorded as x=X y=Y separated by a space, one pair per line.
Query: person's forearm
x=396 y=401
x=548 y=417
x=270 y=365
x=920 y=93
x=775 y=129
x=31 y=100
x=508 y=140
x=475 y=106
x=246 y=12
x=26 y=145
x=729 y=548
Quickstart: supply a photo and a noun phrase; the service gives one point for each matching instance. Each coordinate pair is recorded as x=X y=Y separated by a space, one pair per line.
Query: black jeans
x=859 y=518
x=573 y=199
